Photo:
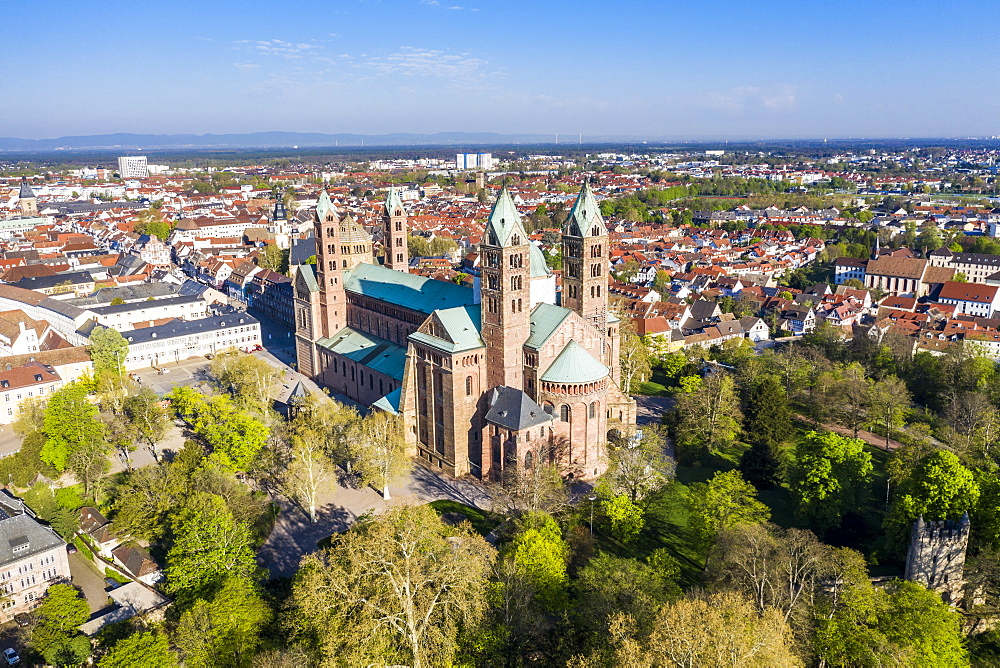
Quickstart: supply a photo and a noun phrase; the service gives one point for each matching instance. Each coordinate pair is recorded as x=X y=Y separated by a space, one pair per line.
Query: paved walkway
x=650 y=410
x=88 y=578
x=868 y=437
x=294 y=536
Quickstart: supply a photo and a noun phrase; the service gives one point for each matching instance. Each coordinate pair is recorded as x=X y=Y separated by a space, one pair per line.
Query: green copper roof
x=545 y=319
x=585 y=217
x=324 y=205
x=425 y=295
x=376 y=353
x=390 y=402
x=393 y=203
x=504 y=220
x=575 y=365
x=461 y=330
x=538 y=268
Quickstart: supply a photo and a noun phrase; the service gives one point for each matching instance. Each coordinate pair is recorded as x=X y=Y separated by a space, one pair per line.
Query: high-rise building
x=474 y=161
x=133 y=167
x=483 y=378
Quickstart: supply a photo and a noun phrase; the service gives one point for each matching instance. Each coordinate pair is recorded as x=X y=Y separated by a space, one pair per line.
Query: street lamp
x=592 y=499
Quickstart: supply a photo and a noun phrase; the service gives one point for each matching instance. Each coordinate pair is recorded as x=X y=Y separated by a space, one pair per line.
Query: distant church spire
x=26 y=199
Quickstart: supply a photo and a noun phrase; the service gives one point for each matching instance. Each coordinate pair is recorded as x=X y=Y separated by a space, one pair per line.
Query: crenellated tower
x=329 y=269
x=585 y=260
x=506 y=293
x=394 y=233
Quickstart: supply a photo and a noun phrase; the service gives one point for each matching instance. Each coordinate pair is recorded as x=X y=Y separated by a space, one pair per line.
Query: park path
x=868 y=437
x=339 y=506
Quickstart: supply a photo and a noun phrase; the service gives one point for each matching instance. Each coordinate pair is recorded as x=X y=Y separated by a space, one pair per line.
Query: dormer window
x=38 y=377
x=4 y=383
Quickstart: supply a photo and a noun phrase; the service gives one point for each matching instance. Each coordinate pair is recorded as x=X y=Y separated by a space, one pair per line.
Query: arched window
x=468 y=386
x=593 y=409
x=528 y=460
x=564 y=413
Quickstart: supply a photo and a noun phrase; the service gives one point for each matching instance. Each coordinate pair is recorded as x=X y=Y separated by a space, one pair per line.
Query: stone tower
x=329 y=270
x=26 y=199
x=506 y=293
x=585 y=264
x=394 y=233
x=936 y=557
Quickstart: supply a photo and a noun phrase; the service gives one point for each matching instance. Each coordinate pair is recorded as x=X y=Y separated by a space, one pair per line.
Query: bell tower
x=585 y=260
x=329 y=273
x=394 y=233
x=506 y=298
x=27 y=200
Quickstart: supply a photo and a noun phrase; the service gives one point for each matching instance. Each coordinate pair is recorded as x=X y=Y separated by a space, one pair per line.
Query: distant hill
x=134 y=142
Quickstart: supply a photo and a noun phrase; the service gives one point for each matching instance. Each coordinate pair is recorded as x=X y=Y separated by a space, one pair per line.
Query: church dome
x=575 y=365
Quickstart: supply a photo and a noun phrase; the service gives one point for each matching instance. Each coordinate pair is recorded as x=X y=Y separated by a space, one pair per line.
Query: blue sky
x=656 y=68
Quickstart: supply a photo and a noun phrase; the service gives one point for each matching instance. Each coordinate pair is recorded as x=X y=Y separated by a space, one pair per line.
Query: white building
x=971 y=298
x=126 y=316
x=32 y=557
x=180 y=340
x=24 y=383
x=133 y=167
x=483 y=161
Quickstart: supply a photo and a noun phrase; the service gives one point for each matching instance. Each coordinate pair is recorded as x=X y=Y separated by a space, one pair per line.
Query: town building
x=133 y=167
x=483 y=377
x=32 y=557
x=977 y=267
x=181 y=339
x=971 y=298
x=24 y=383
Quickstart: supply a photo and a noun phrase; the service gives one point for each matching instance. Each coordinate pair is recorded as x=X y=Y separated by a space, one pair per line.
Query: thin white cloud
x=246 y=67
x=279 y=48
x=778 y=97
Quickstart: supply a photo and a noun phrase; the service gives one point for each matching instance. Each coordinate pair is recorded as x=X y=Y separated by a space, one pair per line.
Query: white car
x=11 y=655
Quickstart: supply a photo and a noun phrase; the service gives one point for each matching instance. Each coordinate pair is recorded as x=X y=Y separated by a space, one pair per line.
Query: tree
x=633 y=355
x=724 y=502
x=249 y=379
x=235 y=437
x=108 y=349
x=637 y=468
x=539 y=554
x=273 y=258
x=902 y=624
x=938 y=488
x=831 y=476
x=309 y=469
x=148 y=649
x=610 y=585
x=888 y=401
x=380 y=449
x=710 y=415
x=716 y=631
x=224 y=631
x=767 y=423
x=625 y=517
x=147 y=419
x=59 y=615
x=395 y=589
x=70 y=424
x=209 y=547
x=852 y=396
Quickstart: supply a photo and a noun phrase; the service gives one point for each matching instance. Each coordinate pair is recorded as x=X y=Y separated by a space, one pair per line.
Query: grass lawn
x=651 y=388
x=482 y=521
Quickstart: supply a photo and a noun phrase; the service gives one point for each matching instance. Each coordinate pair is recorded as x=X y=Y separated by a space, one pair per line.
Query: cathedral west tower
x=506 y=293
x=394 y=233
x=585 y=260
x=329 y=269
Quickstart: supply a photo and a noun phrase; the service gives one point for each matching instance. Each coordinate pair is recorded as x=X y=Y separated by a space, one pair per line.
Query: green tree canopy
x=148 y=649
x=724 y=502
x=71 y=424
x=939 y=488
x=831 y=476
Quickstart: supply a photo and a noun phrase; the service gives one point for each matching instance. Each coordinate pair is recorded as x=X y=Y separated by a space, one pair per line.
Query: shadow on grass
x=481 y=520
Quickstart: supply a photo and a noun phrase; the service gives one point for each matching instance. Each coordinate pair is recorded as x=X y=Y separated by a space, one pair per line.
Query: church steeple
x=329 y=268
x=279 y=212
x=395 y=232
x=27 y=200
x=506 y=293
x=585 y=260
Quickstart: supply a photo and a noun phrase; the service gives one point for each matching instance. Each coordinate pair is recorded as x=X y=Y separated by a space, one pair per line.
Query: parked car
x=22 y=619
x=70 y=548
x=11 y=655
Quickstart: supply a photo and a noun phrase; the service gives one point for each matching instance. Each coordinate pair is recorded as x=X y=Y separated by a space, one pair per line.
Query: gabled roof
x=458 y=329
x=308 y=278
x=585 y=218
x=575 y=365
x=418 y=293
x=503 y=221
x=390 y=402
x=26 y=191
x=544 y=321
x=512 y=409
x=374 y=352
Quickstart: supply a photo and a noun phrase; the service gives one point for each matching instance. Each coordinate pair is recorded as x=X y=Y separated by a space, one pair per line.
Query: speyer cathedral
x=483 y=377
